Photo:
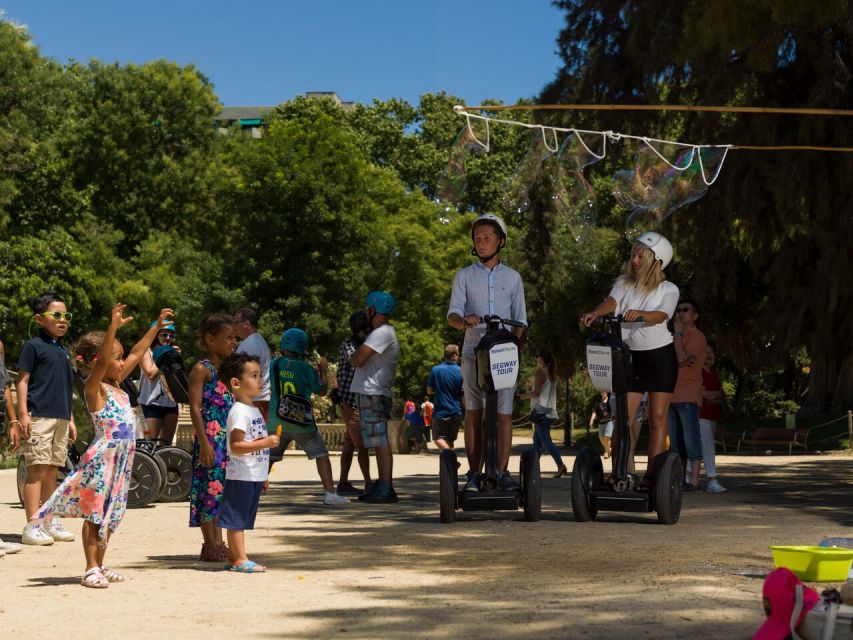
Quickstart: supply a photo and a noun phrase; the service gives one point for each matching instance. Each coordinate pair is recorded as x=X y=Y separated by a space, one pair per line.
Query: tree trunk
x=830 y=385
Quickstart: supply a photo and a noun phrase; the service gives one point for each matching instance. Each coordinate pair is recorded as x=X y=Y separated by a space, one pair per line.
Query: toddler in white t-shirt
x=248 y=458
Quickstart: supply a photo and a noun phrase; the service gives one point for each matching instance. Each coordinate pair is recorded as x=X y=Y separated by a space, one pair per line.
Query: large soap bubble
x=662 y=182
x=573 y=196
x=472 y=139
x=542 y=144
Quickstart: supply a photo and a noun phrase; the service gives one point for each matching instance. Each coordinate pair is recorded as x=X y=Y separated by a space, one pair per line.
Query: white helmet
x=490 y=218
x=659 y=245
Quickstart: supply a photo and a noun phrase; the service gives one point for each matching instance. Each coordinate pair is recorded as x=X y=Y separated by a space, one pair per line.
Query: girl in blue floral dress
x=210 y=403
x=97 y=489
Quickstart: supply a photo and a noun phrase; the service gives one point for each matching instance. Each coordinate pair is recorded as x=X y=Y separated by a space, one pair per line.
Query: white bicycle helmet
x=659 y=245
x=492 y=219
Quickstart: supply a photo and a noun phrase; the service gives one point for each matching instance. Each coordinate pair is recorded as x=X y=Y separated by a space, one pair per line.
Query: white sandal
x=95 y=579
x=112 y=576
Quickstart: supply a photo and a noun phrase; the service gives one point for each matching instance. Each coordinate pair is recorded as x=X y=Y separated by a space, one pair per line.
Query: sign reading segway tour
x=599 y=365
x=503 y=364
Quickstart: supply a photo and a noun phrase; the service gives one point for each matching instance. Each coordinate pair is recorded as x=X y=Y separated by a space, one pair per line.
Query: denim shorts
x=375 y=412
x=239 y=506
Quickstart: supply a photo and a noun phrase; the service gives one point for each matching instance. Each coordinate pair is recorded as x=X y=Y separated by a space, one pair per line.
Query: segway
x=609 y=366
x=497 y=368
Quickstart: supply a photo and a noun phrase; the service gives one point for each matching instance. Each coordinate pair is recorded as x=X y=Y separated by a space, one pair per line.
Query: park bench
x=775 y=436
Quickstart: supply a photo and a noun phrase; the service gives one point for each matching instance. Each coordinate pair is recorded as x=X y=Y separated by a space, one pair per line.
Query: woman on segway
x=646 y=301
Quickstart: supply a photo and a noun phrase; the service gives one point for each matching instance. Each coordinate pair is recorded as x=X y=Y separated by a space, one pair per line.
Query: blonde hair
x=649 y=276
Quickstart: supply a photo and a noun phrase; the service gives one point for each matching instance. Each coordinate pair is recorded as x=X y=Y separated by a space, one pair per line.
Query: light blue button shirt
x=480 y=291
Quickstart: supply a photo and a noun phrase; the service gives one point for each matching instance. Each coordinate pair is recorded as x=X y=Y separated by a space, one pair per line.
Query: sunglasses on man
x=167 y=334
x=683 y=309
x=57 y=315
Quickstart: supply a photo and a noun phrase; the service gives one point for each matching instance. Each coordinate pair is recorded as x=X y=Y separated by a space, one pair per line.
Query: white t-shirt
x=643 y=336
x=252 y=467
x=376 y=376
x=255 y=345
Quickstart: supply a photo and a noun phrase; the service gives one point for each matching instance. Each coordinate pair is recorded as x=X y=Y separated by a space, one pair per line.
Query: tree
x=765 y=252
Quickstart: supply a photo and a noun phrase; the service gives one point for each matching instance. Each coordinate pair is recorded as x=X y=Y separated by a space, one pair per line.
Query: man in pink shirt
x=684 y=435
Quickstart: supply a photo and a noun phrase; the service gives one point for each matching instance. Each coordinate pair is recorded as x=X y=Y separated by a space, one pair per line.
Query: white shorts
x=475 y=398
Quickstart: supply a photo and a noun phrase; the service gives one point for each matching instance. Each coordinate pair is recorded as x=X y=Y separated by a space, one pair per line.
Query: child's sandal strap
x=112 y=576
x=95 y=579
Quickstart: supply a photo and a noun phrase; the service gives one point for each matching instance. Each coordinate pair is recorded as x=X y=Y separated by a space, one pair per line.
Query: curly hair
x=234 y=365
x=211 y=324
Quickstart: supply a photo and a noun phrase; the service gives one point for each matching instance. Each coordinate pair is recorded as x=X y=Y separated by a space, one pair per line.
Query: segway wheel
x=587 y=476
x=22 y=478
x=145 y=481
x=531 y=485
x=177 y=479
x=447 y=488
x=667 y=490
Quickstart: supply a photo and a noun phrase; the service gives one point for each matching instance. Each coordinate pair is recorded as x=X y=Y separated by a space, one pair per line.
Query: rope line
x=616 y=136
x=803 y=111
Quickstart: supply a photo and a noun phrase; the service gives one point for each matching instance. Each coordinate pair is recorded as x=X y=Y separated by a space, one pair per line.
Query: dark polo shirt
x=49 y=390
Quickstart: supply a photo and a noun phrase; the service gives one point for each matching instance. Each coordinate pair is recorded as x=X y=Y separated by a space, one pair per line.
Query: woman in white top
x=543 y=400
x=159 y=410
x=642 y=292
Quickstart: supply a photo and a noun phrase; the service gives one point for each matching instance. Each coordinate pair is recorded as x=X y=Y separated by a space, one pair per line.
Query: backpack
x=292 y=407
x=173 y=374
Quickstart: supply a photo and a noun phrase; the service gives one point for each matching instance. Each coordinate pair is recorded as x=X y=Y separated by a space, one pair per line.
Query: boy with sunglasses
x=44 y=410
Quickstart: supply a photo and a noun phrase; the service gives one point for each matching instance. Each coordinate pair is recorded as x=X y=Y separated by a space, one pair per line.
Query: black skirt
x=655 y=370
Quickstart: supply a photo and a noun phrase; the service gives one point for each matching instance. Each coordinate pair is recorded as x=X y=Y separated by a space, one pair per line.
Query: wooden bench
x=776 y=436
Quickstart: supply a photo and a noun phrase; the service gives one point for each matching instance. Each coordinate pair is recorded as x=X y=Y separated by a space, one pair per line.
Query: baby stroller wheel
x=177 y=479
x=145 y=481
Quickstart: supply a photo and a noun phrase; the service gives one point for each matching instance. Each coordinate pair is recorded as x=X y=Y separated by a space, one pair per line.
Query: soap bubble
x=543 y=143
x=472 y=139
x=573 y=196
x=662 y=183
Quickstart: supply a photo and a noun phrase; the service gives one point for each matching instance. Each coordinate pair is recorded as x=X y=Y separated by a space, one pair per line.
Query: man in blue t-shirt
x=445 y=384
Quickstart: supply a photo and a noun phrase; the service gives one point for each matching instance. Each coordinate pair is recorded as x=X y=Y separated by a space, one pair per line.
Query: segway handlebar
x=506 y=321
x=610 y=319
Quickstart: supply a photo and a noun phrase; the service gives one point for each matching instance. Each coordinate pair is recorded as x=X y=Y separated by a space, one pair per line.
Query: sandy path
x=394 y=572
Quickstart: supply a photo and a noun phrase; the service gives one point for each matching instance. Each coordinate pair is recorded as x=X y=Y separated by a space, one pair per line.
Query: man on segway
x=487 y=287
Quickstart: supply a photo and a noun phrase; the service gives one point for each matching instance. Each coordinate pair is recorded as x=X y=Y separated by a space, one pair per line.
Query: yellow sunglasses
x=58 y=315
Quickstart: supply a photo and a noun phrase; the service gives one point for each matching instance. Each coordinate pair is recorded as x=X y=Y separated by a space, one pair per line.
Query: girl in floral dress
x=97 y=489
x=210 y=403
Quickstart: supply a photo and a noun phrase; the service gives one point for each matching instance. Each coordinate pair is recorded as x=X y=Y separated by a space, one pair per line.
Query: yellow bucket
x=814 y=564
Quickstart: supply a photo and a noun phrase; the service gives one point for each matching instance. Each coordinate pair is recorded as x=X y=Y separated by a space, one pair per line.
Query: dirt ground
x=393 y=571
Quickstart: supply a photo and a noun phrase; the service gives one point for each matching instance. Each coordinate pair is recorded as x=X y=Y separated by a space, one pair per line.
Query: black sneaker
x=473 y=483
x=368 y=489
x=689 y=488
x=506 y=483
x=348 y=489
x=382 y=494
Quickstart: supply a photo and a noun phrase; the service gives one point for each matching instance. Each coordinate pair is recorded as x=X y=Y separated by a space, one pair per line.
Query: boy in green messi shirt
x=292 y=381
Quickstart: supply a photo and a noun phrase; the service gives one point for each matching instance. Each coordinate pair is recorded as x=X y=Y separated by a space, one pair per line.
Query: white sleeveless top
x=546 y=399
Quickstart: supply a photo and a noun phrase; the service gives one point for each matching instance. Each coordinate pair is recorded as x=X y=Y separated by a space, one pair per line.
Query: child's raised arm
x=141 y=347
x=95 y=396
